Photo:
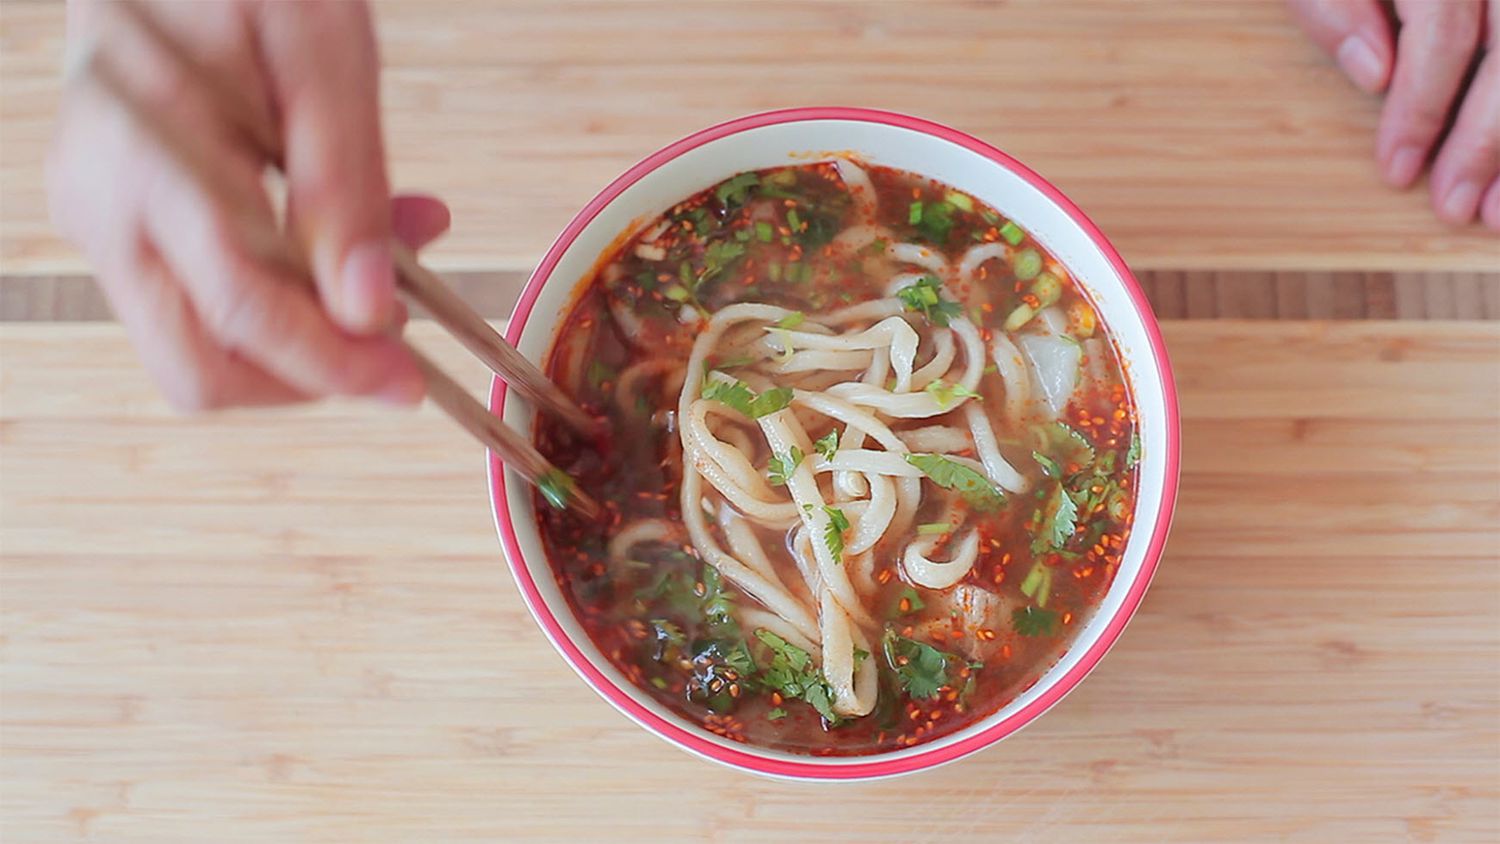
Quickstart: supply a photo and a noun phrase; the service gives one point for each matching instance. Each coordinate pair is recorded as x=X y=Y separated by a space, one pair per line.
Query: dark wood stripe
x=1196 y=294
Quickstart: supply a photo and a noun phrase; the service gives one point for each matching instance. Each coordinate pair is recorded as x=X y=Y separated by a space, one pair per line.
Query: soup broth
x=871 y=462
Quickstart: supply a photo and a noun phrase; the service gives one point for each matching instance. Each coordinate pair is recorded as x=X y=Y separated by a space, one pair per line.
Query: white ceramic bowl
x=907 y=143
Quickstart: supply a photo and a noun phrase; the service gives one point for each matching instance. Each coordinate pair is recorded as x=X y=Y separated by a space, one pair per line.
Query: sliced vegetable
x=735 y=191
x=1038 y=584
x=1026 y=263
x=1054 y=367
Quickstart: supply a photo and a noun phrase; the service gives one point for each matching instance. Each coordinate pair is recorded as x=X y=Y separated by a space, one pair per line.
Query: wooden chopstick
x=418 y=282
x=444 y=391
x=471 y=329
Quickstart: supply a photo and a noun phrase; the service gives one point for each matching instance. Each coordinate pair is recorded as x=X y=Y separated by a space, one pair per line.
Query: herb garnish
x=1033 y=621
x=792 y=673
x=974 y=487
x=1038 y=583
x=1049 y=466
x=736 y=190
x=828 y=444
x=908 y=602
x=946 y=393
x=739 y=396
x=833 y=535
x=556 y=487
x=934 y=221
x=921 y=668
x=1062 y=518
x=783 y=465
x=925 y=296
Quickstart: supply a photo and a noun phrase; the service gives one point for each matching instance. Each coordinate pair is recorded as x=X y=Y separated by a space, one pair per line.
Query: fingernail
x=403 y=392
x=1404 y=167
x=367 y=287
x=1361 y=64
x=1460 y=203
x=1490 y=213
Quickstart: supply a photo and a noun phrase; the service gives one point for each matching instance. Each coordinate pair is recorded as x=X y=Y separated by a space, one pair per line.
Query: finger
x=1355 y=33
x=419 y=219
x=193 y=371
x=266 y=314
x=1490 y=210
x=1437 y=42
x=324 y=71
x=1470 y=158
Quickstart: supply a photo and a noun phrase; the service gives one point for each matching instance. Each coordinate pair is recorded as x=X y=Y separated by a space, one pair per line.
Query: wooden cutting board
x=1201 y=134
x=297 y=626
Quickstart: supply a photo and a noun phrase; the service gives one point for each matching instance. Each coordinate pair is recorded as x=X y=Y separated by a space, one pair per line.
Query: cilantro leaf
x=921 y=668
x=791 y=320
x=925 y=296
x=946 y=394
x=776 y=714
x=770 y=401
x=782 y=466
x=1062 y=518
x=1067 y=445
x=833 y=535
x=828 y=444
x=736 y=190
x=908 y=602
x=1033 y=621
x=974 y=487
x=1049 y=466
x=718 y=257
x=792 y=673
x=739 y=396
x=1133 y=456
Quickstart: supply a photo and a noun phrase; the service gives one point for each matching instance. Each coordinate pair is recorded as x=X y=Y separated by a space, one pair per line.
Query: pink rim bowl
x=895 y=140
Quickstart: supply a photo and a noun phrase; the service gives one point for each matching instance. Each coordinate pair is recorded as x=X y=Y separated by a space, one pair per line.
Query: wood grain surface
x=1200 y=134
x=297 y=626
x=1173 y=295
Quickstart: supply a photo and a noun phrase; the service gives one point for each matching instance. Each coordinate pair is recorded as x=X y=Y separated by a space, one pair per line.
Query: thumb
x=324 y=72
x=1355 y=33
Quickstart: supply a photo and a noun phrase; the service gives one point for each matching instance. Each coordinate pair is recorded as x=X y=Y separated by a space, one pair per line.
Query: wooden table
x=297 y=626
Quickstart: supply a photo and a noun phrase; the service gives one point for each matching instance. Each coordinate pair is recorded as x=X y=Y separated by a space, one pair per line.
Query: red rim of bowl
x=818 y=767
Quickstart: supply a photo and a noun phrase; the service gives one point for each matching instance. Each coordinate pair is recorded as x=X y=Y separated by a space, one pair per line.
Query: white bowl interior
x=917 y=152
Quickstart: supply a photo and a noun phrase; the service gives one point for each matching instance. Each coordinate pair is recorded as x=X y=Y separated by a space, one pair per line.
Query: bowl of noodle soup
x=893 y=444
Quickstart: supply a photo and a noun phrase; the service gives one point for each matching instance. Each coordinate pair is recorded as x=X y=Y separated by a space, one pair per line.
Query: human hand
x=216 y=323
x=1423 y=71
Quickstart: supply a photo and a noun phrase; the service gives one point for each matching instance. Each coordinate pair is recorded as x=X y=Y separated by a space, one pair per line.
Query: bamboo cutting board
x=297 y=626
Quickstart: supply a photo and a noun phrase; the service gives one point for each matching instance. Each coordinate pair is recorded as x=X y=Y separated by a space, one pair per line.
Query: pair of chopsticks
x=415 y=281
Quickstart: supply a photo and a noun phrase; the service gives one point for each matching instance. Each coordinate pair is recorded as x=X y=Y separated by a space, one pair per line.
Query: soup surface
x=871 y=462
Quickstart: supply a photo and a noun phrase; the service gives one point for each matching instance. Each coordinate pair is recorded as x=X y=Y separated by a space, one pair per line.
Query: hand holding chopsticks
x=243 y=219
